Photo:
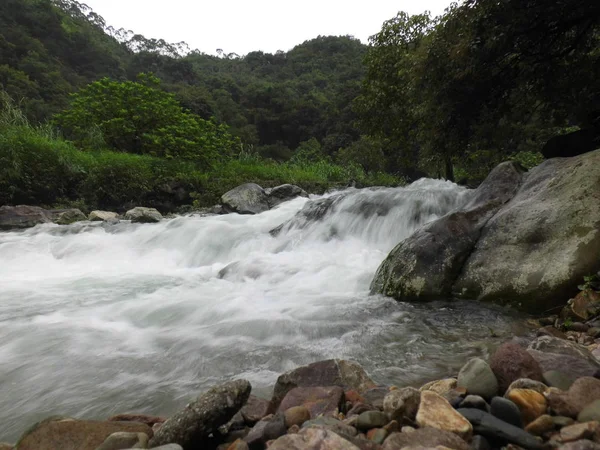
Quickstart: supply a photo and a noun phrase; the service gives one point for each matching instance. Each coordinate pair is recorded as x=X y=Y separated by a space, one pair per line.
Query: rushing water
x=98 y=319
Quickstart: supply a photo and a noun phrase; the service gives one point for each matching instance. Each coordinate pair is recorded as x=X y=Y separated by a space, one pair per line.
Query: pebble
x=478 y=379
x=296 y=415
x=402 y=403
x=532 y=404
x=511 y=362
x=559 y=380
x=541 y=425
x=377 y=435
x=506 y=411
x=436 y=412
x=474 y=401
x=372 y=419
x=440 y=386
x=590 y=412
x=579 y=431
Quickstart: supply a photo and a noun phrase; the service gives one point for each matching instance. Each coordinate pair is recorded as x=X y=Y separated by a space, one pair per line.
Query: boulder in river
x=248 y=198
x=66 y=216
x=203 y=416
x=141 y=214
x=284 y=193
x=526 y=239
x=103 y=216
x=22 y=216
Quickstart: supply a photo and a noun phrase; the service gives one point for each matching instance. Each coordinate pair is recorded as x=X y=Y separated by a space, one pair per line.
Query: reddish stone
x=318 y=400
x=354 y=397
x=511 y=362
x=255 y=409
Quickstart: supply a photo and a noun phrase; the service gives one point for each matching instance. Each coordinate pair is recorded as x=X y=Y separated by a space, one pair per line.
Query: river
x=99 y=319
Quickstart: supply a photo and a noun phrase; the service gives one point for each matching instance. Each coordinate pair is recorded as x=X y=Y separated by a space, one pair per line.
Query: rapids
x=99 y=319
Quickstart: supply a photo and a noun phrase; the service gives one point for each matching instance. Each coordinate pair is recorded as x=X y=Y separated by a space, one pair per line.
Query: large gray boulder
x=540 y=245
x=66 y=216
x=204 y=416
x=526 y=239
x=141 y=214
x=248 y=198
x=284 y=193
x=425 y=265
x=103 y=216
x=22 y=216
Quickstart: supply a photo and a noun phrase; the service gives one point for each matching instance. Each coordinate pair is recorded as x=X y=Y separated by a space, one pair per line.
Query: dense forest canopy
x=441 y=96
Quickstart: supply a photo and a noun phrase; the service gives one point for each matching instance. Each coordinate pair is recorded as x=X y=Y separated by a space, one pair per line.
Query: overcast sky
x=241 y=26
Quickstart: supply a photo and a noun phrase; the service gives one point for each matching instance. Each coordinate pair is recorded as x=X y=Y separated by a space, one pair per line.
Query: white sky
x=241 y=26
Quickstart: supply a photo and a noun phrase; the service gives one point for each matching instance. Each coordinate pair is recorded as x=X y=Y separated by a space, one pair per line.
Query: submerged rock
x=248 y=198
x=204 y=415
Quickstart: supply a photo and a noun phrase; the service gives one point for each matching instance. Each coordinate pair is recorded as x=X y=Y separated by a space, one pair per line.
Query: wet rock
x=582 y=392
x=402 y=403
x=496 y=430
x=22 y=216
x=296 y=415
x=375 y=396
x=353 y=397
x=559 y=380
x=511 y=362
x=372 y=419
x=313 y=211
x=66 y=216
x=532 y=404
x=238 y=445
x=579 y=431
x=425 y=265
x=313 y=438
x=270 y=427
x=141 y=418
x=143 y=215
x=123 y=440
x=440 y=386
x=526 y=383
x=255 y=409
x=436 y=412
x=480 y=443
x=584 y=305
x=248 y=198
x=317 y=400
x=562 y=421
x=284 y=193
x=564 y=356
x=590 y=412
x=103 y=216
x=204 y=415
x=70 y=434
x=506 y=411
x=474 y=401
x=360 y=408
x=332 y=372
x=425 y=437
x=477 y=377
x=541 y=425
x=377 y=435
x=579 y=327
x=550 y=330
x=331 y=424
x=584 y=444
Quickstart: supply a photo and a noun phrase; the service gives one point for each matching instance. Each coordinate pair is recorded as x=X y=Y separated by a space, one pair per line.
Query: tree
x=138 y=117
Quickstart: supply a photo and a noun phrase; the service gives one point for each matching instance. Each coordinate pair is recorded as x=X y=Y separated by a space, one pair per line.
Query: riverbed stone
x=480 y=443
x=582 y=392
x=579 y=431
x=551 y=330
x=375 y=396
x=435 y=411
x=532 y=404
x=238 y=444
x=506 y=411
x=204 y=415
x=71 y=434
x=499 y=431
x=102 y=216
x=141 y=418
x=317 y=400
x=557 y=379
x=511 y=362
x=474 y=401
x=402 y=403
x=66 y=216
x=564 y=356
x=526 y=383
x=247 y=198
x=541 y=425
x=332 y=372
x=270 y=427
x=283 y=193
x=590 y=412
x=312 y=438
x=22 y=216
x=440 y=386
x=477 y=377
x=425 y=437
x=142 y=214
x=372 y=419
x=255 y=409
x=296 y=415
x=583 y=444
x=124 y=440
x=332 y=424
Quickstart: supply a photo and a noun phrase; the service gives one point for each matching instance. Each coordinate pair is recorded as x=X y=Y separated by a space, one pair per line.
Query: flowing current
x=99 y=319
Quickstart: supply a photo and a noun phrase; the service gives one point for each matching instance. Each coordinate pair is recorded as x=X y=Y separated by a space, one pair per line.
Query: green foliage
x=528 y=159
x=138 y=117
x=367 y=153
x=308 y=152
x=590 y=282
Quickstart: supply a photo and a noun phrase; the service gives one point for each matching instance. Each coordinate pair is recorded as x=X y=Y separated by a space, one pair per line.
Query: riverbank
x=532 y=393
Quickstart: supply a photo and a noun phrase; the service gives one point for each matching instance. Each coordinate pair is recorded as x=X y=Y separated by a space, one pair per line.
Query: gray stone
x=480 y=443
x=497 y=430
x=372 y=419
x=102 y=216
x=66 y=216
x=475 y=401
x=590 y=412
x=402 y=403
x=583 y=444
x=565 y=356
x=248 y=198
x=313 y=438
x=331 y=372
x=538 y=247
x=255 y=409
x=558 y=380
x=23 y=216
x=506 y=411
x=424 y=437
x=141 y=214
x=123 y=440
x=426 y=265
x=203 y=416
x=284 y=193
x=477 y=377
